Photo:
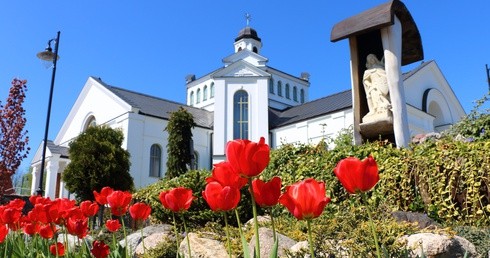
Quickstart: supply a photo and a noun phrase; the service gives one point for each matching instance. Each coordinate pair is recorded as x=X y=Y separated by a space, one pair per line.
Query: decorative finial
x=248 y=17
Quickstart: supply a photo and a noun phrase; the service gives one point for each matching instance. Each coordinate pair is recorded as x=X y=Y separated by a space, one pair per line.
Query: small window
x=287 y=91
x=90 y=123
x=302 y=96
x=271 y=86
x=198 y=96
x=191 y=99
x=295 y=93
x=205 y=93
x=279 y=88
x=155 y=161
x=211 y=91
x=255 y=50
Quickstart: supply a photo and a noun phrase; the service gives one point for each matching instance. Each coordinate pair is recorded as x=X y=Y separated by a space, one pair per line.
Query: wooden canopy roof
x=380 y=17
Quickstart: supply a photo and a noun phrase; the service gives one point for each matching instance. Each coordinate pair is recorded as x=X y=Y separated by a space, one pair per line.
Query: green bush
x=199 y=213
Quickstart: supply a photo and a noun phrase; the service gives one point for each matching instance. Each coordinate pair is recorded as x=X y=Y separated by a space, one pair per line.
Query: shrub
x=199 y=213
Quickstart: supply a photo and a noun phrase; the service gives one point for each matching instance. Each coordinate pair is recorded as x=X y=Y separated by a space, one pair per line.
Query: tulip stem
x=227 y=234
x=310 y=239
x=176 y=233
x=256 y=224
x=273 y=226
x=125 y=236
x=187 y=235
x=371 y=223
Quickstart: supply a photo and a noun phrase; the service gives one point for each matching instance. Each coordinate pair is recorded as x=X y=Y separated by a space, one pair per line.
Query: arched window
x=240 y=115
x=302 y=96
x=191 y=99
x=195 y=160
x=205 y=93
x=271 y=86
x=90 y=122
x=211 y=91
x=279 y=88
x=255 y=50
x=287 y=90
x=155 y=160
x=295 y=93
x=198 y=96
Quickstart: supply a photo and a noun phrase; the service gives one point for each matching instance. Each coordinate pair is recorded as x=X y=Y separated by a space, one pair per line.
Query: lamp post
x=488 y=77
x=49 y=56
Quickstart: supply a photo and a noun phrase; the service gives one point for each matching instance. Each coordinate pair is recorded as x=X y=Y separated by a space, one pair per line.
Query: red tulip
x=4 y=230
x=31 y=228
x=305 y=199
x=89 y=208
x=357 y=176
x=248 y=158
x=77 y=225
x=119 y=202
x=101 y=197
x=177 y=199
x=140 y=211
x=267 y=194
x=226 y=175
x=99 y=249
x=46 y=231
x=221 y=198
x=113 y=225
x=57 y=249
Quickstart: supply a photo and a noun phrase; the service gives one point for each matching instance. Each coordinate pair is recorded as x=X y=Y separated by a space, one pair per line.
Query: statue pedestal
x=377 y=124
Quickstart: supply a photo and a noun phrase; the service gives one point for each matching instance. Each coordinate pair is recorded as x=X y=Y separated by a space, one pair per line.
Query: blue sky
x=150 y=46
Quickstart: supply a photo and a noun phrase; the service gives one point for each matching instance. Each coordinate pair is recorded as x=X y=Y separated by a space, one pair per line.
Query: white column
x=35 y=180
x=51 y=175
x=392 y=44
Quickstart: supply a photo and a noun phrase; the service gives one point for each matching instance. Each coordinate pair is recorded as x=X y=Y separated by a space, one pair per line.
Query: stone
x=260 y=220
x=300 y=247
x=135 y=238
x=438 y=246
x=422 y=220
x=73 y=240
x=153 y=241
x=203 y=247
x=266 y=238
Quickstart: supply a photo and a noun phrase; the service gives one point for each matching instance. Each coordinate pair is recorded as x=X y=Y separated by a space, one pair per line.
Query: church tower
x=248 y=39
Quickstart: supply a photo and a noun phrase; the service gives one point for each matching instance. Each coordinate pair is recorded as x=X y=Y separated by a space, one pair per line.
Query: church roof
x=308 y=110
x=247 y=33
x=57 y=149
x=158 y=107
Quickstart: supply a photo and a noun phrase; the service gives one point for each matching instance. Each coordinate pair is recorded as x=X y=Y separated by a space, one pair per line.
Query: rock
x=203 y=247
x=300 y=247
x=267 y=242
x=153 y=241
x=74 y=240
x=422 y=220
x=260 y=220
x=438 y=246
x=135 y=238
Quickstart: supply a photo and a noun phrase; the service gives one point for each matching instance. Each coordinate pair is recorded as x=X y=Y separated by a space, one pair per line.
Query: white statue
x=376 y=88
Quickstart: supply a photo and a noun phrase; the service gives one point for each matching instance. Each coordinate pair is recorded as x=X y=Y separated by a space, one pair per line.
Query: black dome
x=248 y=33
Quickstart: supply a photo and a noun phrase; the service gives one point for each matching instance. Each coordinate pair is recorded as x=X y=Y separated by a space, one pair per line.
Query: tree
x=13 y=137
x=97 y=160
x=179 y=147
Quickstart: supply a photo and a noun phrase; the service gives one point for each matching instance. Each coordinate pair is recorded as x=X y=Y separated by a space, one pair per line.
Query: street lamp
x=49 y=56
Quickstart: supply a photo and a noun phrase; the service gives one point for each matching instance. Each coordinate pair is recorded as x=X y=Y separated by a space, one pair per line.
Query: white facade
x=271 y=104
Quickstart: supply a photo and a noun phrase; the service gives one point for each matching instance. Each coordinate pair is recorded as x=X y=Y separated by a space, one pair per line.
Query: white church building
x=246 y=99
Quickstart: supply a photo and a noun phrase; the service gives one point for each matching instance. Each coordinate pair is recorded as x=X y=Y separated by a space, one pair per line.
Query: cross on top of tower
x=248 y=17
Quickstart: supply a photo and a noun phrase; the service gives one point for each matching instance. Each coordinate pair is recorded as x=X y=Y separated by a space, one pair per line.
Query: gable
x=94 y=101
x=240 y=69
x=246 y=55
